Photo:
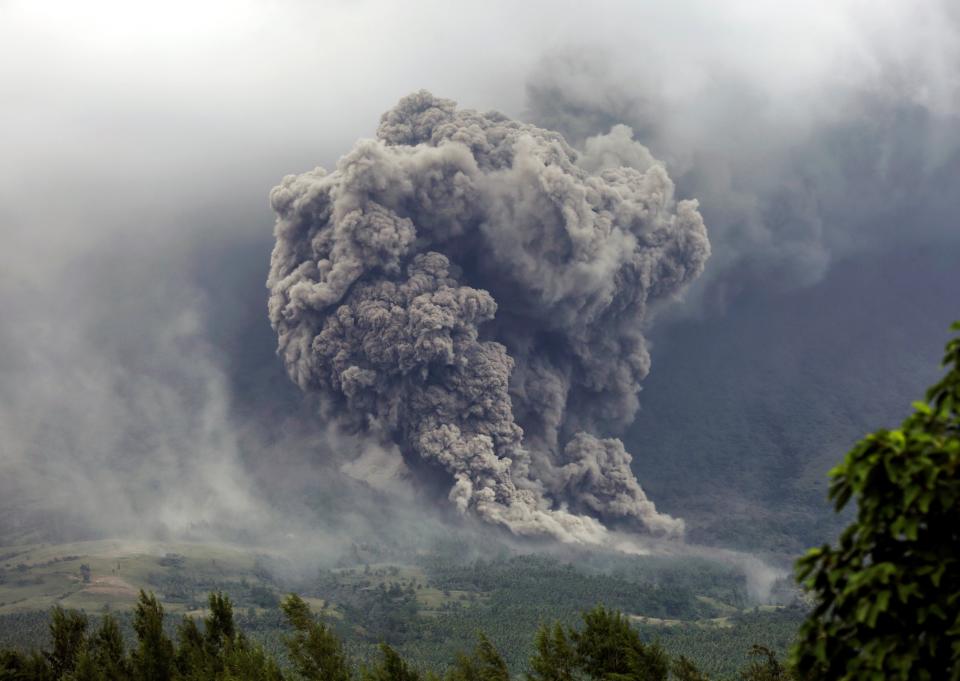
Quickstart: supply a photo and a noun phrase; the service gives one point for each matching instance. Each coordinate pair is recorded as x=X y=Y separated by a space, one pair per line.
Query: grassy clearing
x=36 y=577
x=430 y=599
x=718 y=605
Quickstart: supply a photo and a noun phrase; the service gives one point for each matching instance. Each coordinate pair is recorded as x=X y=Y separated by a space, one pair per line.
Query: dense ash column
x=475 y=289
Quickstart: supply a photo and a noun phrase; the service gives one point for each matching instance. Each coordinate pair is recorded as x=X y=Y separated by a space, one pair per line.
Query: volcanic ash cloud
x=474 y=289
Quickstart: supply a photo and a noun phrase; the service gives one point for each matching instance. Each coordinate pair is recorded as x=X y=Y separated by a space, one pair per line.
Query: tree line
x=605 y=647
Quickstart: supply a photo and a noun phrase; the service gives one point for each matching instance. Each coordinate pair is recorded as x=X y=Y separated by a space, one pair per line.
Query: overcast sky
x=111 y=106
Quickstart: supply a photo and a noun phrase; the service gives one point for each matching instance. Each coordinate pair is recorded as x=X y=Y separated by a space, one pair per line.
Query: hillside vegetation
x=428 y=609
x=602 y=646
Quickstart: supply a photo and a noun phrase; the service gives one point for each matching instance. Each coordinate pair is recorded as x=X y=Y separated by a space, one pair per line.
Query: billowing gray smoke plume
x=475 y=289
x=789 y=184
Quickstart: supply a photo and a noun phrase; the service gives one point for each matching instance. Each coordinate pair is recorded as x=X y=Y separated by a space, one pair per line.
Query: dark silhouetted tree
x=18 y=666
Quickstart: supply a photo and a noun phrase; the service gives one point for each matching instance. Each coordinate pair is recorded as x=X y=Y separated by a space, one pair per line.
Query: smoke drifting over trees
x=475 y=290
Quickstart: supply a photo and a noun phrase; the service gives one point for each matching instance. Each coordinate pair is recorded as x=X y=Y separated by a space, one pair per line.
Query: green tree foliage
x=484 y=664
x=605 y=648
x=888 y=596
x=765 y=667
x=685 y=670
x=219 y=629
x=192 y=653
x=390 y=667
x=153 y=658
x=220 y=651
x=16 y=666
x=106 y=650
x=315 y=651
x=86 y=669
x=609 y=648
x=554 y=658
x=650 y=663
x=68 y=630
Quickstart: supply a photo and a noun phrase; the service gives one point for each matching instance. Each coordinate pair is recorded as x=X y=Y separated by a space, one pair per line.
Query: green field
x=36 y=577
